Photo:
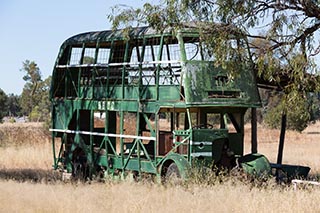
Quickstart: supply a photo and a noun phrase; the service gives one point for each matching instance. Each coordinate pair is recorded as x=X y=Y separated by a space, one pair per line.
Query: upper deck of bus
x=169 y=67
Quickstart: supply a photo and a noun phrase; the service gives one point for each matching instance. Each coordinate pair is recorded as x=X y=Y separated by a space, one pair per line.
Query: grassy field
x=138 y=197
x=27 y=183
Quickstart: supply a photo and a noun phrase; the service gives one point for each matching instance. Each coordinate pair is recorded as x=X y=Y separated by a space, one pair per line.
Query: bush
x=296 y=108
x=3 y=104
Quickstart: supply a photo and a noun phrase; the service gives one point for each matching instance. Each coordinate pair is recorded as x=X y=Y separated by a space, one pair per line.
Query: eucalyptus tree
x=283 y=37
x=34 y=100
x=30 y=95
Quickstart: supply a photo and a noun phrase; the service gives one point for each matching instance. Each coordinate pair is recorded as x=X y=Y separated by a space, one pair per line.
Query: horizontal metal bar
x=295 y=181
x=205 y=143
x=118 y=64
x=102 y=134
x=198 y=154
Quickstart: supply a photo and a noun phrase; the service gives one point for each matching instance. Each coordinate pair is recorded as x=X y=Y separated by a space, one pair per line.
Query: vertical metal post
x=141 y=57
x=105 y=140
x=254 y=141
x=108 y=68
x=138 y=140
x=80 y=71
x=159 y=67
x=121 y=138
x=66 y=83
x=124 y=70
x=53 y=136
x=190 y=140
x=94 y=71
x=282 y=136
x=55 y=165
x=66 y=76
x=156 y=128
x=222 y=121
x=91 y=142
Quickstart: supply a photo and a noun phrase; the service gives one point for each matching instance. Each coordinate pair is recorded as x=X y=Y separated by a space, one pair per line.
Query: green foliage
x=34 y=99
x=41 y=110
x=314 y=109
x=88 y=60
x=32 y=70
x=12 y=120
x=30 y=95
x=3 y=104
x=296 y=108
x=14 y=108
x=34 y=115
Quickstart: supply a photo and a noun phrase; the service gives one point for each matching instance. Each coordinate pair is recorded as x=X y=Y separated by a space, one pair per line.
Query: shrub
x=296 y=108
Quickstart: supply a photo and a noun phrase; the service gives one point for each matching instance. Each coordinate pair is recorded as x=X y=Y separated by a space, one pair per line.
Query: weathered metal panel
x=205 y=84
x=208 y=143
x=63 y=112
x=169 y=93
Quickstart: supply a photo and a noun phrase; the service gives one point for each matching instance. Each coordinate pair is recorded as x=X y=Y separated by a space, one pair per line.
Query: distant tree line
x=33 y=103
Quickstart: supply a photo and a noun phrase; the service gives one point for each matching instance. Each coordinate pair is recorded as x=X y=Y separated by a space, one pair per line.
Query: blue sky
x=35 y=29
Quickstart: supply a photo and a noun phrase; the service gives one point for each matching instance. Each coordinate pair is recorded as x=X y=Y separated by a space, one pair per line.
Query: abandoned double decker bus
x=146 y=102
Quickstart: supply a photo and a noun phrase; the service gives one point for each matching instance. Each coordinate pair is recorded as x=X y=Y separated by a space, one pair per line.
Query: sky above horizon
x=34 y=30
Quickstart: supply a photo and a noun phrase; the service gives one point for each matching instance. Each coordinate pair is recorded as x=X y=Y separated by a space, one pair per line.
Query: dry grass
x=25 y=145
x=21 y=134
x=24 y=164
x=36 y=157
x=136 y=197
x=26 y=152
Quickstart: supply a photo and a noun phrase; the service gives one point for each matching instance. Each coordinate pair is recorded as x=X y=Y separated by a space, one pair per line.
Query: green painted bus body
x=178 y=106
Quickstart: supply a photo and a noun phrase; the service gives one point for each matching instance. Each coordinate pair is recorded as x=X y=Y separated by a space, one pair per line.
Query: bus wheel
x=173 y=174
x=80 y=168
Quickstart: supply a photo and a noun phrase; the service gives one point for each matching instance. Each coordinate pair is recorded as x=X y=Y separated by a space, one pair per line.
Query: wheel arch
x=182 y=164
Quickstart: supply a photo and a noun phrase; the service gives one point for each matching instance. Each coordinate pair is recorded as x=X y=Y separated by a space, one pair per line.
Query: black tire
x=173 y=173
x=80 y=171
x=80 y=167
